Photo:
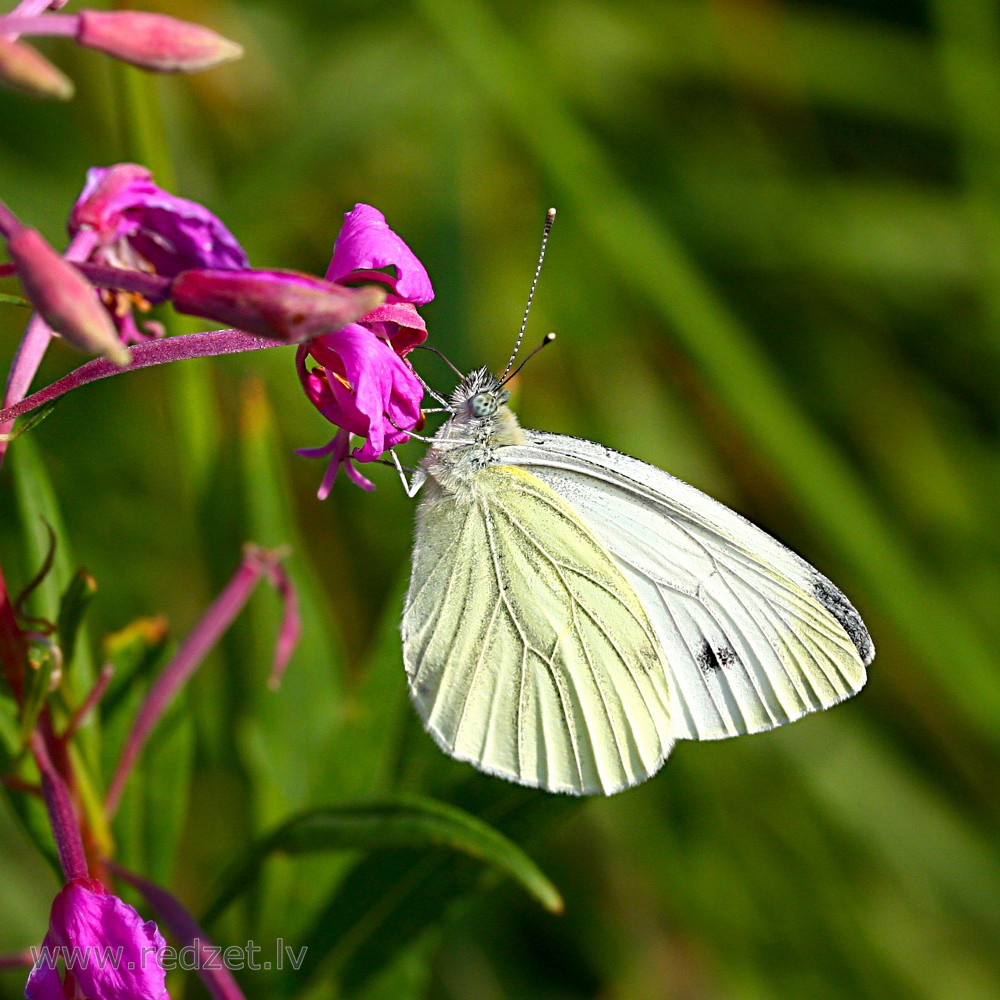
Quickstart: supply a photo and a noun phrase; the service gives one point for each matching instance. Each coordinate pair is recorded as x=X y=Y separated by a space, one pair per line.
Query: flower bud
x=155 y=41
x=63 y=298
x=26 y=69
x=280 y=305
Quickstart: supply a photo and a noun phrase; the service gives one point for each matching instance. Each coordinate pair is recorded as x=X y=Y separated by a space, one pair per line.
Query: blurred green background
x=775 y=273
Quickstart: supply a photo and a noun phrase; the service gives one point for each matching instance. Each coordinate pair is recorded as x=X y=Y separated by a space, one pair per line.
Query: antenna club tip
x=551 y=213
x=549 y=337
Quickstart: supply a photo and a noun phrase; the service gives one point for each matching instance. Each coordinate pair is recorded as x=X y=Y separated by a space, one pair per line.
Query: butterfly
x=572 y=612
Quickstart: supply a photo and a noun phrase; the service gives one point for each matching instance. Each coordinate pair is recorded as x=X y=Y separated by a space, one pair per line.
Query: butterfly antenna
x=550 y=217
x=546 y=340
x=444 y=357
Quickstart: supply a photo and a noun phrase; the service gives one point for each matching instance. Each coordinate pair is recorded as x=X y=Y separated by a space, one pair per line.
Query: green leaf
x=390 y=900
x=407 y=821
x=14 y=300
x=149 y=820
x=29 y=421
x=164 y=772
x=76 y=600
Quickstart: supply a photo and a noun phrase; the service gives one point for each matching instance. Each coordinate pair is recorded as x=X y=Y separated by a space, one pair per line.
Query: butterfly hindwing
x=752 y=634
x=527 y=651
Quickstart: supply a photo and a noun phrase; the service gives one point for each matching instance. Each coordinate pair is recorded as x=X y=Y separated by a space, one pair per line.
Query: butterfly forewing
x=753 y=635
x=528 y=652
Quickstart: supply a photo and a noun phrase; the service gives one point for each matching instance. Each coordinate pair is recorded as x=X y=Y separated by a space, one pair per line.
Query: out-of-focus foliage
x=775 y=272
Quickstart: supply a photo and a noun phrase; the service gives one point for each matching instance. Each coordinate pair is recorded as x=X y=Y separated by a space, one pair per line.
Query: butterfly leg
x=410 y=486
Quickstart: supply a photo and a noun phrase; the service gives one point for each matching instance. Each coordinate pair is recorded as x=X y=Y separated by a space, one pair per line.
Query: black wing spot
x=710 y=660
x=842 y=609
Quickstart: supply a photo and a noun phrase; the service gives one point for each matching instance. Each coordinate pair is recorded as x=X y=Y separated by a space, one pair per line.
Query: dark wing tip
x=841 y=608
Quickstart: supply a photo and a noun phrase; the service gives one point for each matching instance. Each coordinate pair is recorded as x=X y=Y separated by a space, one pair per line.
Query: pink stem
x=12 y=644
x=189 y=657
x=149 y=286
x=66 y=25
x=30 y=8
x=291 y=623
x=155 y=352
x=62 y=816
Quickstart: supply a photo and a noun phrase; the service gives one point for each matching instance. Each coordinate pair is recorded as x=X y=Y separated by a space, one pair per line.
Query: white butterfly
x=573 y=611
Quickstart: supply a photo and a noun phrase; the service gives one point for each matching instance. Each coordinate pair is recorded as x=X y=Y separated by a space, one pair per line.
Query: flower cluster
x=134 y=245
x=126 y=221
x=360 y=381
x=141 y=245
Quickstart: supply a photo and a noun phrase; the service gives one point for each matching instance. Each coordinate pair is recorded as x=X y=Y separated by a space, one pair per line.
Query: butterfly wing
x=753 y=635
x=527 y=652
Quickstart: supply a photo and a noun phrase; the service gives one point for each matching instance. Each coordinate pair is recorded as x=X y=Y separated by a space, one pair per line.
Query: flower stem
x=40 y=24
x=156 y=352
x=62 y=816
x=193 y=651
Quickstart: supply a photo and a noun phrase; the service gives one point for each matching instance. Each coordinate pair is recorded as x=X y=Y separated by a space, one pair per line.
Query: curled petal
x=339 y=453
x=140 y=225
x=366 y=241
x=363 y=386
x=399 y=323
x=107 y=193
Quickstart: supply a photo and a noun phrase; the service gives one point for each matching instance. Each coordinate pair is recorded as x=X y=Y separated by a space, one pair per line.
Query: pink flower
x=107 y=950
x=135 y=224
x=361 y=383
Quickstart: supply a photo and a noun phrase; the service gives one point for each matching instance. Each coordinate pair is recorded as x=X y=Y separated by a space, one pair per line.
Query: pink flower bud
x=63 y=298
x=155 y=41
x=27 y=70
x=280 y=305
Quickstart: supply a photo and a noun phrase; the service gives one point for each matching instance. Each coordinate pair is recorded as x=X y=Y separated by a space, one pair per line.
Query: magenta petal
x=117 y=952
x=132 y=216
x=383 y=401
x=44 y=981
x=399 y=323
x=366 y=241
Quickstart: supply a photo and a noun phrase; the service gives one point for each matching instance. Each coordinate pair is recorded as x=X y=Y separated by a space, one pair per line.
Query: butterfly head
x=479 y=395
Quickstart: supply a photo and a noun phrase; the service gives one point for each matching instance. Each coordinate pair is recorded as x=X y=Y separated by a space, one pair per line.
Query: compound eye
x=483 y=404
